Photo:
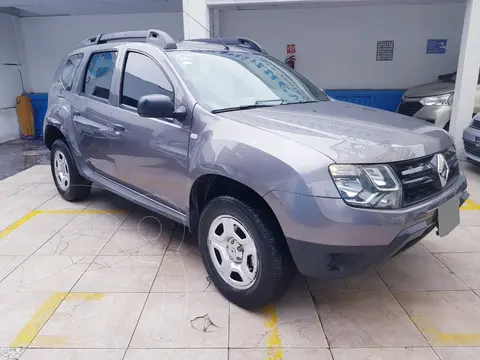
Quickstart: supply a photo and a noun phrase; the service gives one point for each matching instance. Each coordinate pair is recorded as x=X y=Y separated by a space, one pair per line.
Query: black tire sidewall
x=266 y=252
x=78 y=185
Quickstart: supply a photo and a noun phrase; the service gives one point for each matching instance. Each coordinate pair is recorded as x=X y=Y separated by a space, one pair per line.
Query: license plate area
x=448 y=216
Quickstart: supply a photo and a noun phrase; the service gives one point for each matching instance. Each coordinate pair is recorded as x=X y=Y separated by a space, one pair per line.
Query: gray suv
x=265 y=170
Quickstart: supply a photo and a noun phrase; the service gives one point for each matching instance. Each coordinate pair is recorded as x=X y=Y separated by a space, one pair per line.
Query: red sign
x=291 y=49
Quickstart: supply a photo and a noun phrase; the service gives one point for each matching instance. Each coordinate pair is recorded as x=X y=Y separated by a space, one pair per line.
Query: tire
x=272 y=271
x=71 y=185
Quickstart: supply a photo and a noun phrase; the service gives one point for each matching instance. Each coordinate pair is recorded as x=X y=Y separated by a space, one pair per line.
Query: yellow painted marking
x=18 y=223
x=30 y=331
x=428 y=327
x=4 y=233
x=470 y=205
x=274 y=341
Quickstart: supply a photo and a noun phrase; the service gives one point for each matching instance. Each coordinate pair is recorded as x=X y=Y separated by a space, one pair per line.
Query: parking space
x=104 y=279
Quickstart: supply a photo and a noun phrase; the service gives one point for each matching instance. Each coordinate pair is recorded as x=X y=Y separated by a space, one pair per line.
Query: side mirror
x=155 y=106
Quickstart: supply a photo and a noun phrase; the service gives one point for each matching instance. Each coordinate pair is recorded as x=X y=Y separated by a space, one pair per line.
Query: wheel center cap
x=235 y=250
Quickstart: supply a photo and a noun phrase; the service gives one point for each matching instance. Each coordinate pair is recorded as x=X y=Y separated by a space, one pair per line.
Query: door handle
x=118 y=128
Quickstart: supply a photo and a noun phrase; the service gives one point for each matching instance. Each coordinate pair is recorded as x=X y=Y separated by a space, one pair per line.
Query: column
x=196 y=19
x=467 y=74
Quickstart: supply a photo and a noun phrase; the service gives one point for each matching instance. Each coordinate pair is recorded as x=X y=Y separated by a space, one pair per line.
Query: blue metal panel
x=380 y=99
x=39 y=106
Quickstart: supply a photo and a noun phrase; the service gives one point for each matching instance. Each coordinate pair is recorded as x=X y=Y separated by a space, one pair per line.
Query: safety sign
x=435 y=46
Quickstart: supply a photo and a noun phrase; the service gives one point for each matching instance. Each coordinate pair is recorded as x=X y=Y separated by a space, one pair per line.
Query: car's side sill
x=138 y=198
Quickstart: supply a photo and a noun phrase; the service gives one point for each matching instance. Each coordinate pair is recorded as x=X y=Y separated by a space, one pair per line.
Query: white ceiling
x=87 y=7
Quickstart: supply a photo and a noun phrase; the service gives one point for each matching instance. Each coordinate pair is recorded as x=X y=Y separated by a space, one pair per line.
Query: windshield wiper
x=241 y=107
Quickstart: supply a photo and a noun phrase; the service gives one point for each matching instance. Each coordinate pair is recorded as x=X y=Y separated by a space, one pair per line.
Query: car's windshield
x=234 y=80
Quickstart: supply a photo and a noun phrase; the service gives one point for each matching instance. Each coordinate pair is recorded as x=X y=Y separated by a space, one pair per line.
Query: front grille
x=476 y=124
x=419 y=177
x=471 y=148
x=409 y=108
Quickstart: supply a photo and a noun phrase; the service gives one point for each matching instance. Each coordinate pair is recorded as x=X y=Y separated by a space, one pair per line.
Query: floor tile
x=176 y=354
x=103 y=221
x=32 y=233
x=182 y=273
x=283 y=354
x=368 y=280
x=190 y=320
x=460 y=240
x=8 y=264
x=383 y=354
x=76 y=242
x=365 y=319
x=120 y=274
x=73 y=354
x=465 y=266
x=458 y=353
x=292 y=319
x=58 y=203
x=418 y=248
x=446 y=318
x=29 y=198
x=46 y=273
x=92 y=321
x=469 y=218
x=143 y=219
x=183 y=242
x=413 y=272
x=16 y=310
x=137 y=242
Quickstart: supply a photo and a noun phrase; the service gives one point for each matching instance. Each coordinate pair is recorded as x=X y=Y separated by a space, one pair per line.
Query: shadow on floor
x=19 y=155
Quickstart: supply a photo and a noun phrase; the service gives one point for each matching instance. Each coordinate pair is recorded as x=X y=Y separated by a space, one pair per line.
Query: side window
x=70 y=70
x=98 y=77
x=143 y=76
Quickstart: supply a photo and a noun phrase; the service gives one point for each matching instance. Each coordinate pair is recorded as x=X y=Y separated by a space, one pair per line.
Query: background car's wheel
x=244 y=253
x=70 y=184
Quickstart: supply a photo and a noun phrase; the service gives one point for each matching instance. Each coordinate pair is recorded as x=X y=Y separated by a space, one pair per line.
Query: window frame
x=122 y=77
x=79 y=65
x=81 y=89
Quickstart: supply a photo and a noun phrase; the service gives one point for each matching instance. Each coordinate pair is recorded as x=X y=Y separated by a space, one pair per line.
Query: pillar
x=196 y=19
x=467 y=74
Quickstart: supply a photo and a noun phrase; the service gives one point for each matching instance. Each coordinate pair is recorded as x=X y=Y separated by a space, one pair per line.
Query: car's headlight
x=446 y=99
x=371 y=186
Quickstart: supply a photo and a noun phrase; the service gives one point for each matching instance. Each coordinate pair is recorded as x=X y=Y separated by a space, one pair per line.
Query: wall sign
x=385 y=50
x=291 y=49
x=435 y=46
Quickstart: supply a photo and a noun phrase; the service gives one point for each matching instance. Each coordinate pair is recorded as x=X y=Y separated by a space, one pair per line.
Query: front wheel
x=245 y=255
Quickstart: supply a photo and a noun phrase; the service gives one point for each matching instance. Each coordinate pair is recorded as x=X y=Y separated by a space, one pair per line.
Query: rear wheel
x=70 y=184
x=245 y=254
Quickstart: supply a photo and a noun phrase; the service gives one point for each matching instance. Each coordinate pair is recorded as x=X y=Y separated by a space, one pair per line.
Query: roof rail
x=241 y=42
x=152 y=36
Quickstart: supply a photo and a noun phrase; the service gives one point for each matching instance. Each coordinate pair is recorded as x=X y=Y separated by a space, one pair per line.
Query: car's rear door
x=91 y=111
x=150 y=153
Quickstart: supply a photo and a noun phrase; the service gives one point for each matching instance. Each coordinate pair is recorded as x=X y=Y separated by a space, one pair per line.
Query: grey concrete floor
x=105 y=280
x=19 y=155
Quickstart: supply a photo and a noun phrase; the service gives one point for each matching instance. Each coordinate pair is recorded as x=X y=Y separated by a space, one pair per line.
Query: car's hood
x=348 y=133
x=430 y=89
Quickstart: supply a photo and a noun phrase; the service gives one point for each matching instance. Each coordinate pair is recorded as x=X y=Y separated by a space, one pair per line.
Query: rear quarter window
x=69 y=71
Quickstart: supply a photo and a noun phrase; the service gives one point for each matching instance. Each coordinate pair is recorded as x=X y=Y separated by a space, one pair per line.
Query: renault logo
x=443 y=170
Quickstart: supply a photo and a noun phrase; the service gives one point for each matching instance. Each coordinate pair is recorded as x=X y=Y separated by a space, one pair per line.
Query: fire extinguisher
x=290 y=61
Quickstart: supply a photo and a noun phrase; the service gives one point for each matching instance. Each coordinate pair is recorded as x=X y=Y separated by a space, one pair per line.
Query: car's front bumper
x=329 y=239
x=472 y=151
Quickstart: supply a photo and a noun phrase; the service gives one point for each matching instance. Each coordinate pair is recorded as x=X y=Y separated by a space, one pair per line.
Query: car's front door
x=91 y=113
x=150 y=153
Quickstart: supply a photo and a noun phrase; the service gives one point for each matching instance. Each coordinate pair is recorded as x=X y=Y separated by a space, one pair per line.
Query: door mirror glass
x=156 y=106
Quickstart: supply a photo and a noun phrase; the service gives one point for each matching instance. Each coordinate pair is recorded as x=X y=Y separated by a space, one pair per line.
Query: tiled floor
x=105 y=280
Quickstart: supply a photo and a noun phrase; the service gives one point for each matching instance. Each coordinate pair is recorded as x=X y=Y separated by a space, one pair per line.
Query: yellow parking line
x=470 y=205
x=428 y=327
x=33 y=327
x=34 y=213
x=274 y=341
x=28 y=333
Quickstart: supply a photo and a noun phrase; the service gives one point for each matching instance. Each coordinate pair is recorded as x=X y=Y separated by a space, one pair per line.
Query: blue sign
x=436 y=46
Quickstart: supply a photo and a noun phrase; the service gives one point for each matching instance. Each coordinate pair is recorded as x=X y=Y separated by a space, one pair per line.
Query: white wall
x=49 y=39
x=336 y=46
x=10 y=78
